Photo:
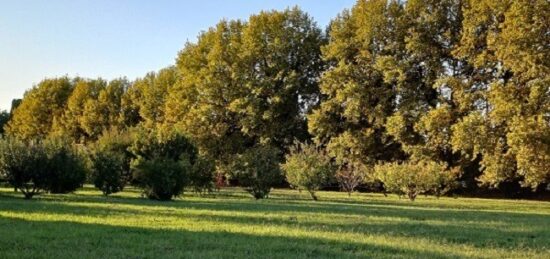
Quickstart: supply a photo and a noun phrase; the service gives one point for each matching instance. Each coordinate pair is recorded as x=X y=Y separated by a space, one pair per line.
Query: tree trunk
x=313 y=196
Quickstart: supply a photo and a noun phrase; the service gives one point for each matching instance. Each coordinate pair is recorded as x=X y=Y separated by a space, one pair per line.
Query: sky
x=113 y=38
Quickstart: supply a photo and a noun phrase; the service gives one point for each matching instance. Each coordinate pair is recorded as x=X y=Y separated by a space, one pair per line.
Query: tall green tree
x=430 y=83
x=104 y=112
x=70 y=124
x=4 y=118
x=507 y=41
x=40 y=106
x=356 y=98
x=248 y=83
x=280 y=65
x=153 y=90
x=199 y=102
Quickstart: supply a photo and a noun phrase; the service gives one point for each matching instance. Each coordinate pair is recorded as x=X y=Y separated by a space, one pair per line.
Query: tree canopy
x=461 y=84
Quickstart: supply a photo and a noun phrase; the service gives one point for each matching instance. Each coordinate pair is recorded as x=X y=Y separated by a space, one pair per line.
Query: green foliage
x=357 y=100
x=163 y=162
x=246 y=83
x=74 y=123
x=199 y=103
x=4 y=118
x=162 y=178
x=117 y=143
x=412 y=179
x=152 y=91
x=25 y=166
x=108 y=171
x=34 y=167
x=201 y=178
x=103 y=113
x=257 y=170
x=67 y=168
x=280 y=63
x=463 y=84
x=162 y=144
x=308 y=167
x=41 y=106
x=504 y=42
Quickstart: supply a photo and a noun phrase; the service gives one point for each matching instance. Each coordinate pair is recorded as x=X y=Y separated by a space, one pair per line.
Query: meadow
x=230 y=224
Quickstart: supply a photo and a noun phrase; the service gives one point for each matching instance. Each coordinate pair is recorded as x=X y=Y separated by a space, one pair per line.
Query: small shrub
x=202 y=176
x=412 y=179
x=257 y=170
x=161 y=178
x=117 y=143
x=108 y=171
x=67 y=167
x=25 y=166
x=308 y=167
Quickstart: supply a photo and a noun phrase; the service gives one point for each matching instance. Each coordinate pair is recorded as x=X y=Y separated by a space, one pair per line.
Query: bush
x=67 y=168
x=202 y=176
x=25 y=166
x=117 y=143
x=41 y=166
x=163 y=163
x=308 y=167
x=161 y=178
x=257 y=170
x=108 y=171
x=412 y=178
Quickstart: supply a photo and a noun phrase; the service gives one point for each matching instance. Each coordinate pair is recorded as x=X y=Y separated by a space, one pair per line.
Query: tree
x=247 y=84
x=356 y=99
x=25 y=166
x=199 y=103
x=308 y=167
x=153 y=89
x=414 y=178
x=350 y=176
x=117 y=143
x=40 y=106
x=35 y=166
x=163 y=162
x=4 y=118
x=67 y=169
x=257 y=170
x=108 y=171
x=280 y=66
x=162 y=178
x=506 y=42
x=104 y=112
x=202 y=175
x=70 y=124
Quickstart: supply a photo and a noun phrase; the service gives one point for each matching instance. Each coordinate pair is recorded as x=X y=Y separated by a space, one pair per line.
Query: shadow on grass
x=62 y=239
x=472 y=228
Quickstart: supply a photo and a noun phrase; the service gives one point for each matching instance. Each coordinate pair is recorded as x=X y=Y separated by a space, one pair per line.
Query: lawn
x=230 y=224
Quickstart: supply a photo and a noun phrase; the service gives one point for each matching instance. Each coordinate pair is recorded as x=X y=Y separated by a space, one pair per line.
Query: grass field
x=287 y=225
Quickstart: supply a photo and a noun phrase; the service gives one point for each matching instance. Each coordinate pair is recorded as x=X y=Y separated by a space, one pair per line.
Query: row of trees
x=164 y=163
x=459 y=87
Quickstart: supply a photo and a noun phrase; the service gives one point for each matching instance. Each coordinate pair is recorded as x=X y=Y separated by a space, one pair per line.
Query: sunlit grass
x=230 y=224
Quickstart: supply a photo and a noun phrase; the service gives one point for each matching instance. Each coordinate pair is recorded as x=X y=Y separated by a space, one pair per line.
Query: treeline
x=411 y=97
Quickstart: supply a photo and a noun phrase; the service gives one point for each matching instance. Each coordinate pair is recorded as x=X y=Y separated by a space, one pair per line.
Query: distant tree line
x=408 y=97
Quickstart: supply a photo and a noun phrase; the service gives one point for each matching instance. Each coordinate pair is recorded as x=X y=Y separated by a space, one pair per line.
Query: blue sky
x=112 y=38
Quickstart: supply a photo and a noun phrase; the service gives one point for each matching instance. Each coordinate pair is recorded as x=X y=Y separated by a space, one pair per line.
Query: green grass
x=288 y=225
